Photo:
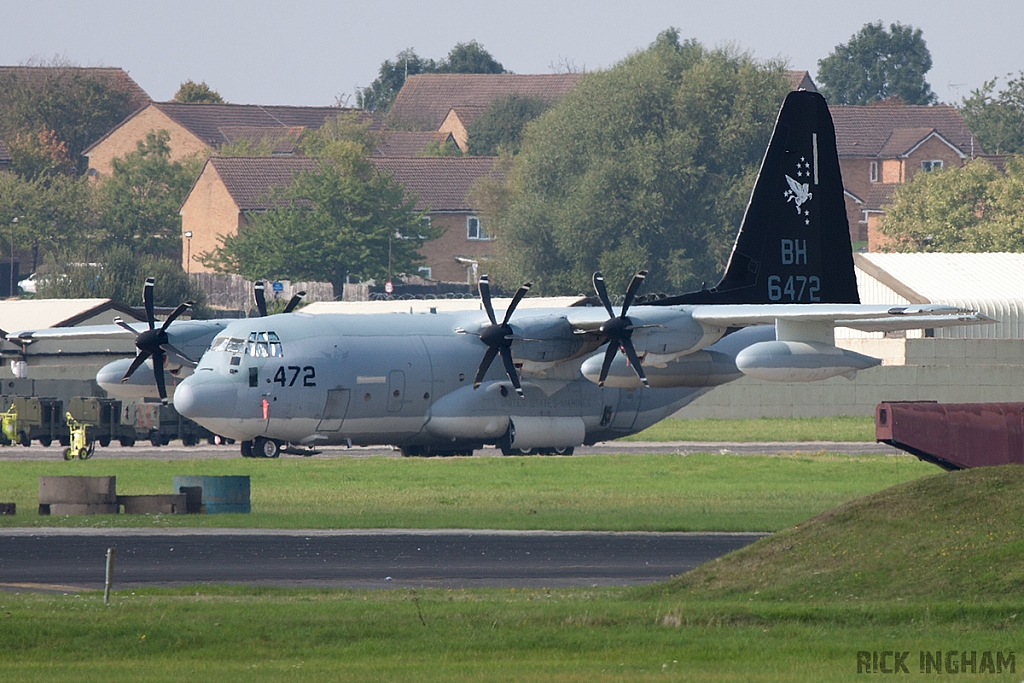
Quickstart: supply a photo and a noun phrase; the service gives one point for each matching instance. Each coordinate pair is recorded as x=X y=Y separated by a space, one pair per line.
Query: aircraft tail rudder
x=794 y=243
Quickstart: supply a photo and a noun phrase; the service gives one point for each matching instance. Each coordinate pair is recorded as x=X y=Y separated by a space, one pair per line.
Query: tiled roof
x=119 y=77
x=283 y=140
x=206 y=121
x=903 y=140
x=439 y=183
x=425 y=99
x=402 y=143
x=248 y=179
x=865 y=131
x=801 y=79
x=879 y=196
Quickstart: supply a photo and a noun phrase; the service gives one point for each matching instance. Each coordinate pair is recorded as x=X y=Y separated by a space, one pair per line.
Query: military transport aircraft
x=427 y=383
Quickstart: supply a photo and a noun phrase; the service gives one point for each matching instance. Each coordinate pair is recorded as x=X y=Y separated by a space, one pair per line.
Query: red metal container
x=954 y=436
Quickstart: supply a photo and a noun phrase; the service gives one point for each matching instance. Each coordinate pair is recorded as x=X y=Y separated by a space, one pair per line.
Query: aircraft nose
x=196 y=400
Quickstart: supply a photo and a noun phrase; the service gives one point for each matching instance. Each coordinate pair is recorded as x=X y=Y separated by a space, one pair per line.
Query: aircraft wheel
x=266 y=448
x=67 y=454
x=519 y=451
x=568 y=450
x=247 y=450
x=23 y=439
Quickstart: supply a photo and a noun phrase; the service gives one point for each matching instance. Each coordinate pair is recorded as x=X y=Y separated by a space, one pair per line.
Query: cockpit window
x=228 y=344
x=259 y=345
x=264 y=345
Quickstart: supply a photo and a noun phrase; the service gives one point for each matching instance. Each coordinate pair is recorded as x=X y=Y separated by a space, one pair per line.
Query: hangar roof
x=17 y=315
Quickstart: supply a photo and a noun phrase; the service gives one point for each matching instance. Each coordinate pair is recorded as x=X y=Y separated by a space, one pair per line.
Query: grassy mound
x=953 y=536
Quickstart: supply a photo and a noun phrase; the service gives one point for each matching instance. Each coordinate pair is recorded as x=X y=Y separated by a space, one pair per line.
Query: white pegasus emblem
x=798 y=193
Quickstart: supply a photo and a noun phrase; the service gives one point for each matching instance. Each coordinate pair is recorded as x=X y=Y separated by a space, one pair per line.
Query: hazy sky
x=310 y=52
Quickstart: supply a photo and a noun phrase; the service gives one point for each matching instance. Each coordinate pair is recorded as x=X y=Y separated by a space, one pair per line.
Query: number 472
x=281 y=377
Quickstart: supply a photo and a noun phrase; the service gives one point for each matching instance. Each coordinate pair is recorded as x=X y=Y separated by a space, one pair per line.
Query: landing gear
x=505 y=450
x=266 y=448
x=247 y=449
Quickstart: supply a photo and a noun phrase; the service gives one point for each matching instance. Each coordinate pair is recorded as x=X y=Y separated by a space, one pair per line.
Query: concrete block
x=78 y=509
x=78 y=490
x=219 y=494
x=157 y=504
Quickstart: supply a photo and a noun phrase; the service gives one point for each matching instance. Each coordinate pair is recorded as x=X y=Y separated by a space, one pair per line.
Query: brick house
x=203 y=128
x=229 y=188
x=884 y=145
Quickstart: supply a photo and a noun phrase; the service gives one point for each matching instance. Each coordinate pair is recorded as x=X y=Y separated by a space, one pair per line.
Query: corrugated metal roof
x=992 y=284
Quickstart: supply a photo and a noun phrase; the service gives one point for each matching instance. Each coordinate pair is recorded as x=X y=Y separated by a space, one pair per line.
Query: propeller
x=153 y=342
x=498 y=337
x=619 y=328
x=261 y=300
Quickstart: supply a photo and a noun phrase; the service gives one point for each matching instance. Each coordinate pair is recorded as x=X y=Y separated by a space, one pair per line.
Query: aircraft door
x=625 y=412
x=334 y=410
x=396 y=390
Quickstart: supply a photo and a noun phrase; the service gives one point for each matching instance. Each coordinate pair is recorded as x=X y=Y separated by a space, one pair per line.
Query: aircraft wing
x=868 y=318
x=84 y=332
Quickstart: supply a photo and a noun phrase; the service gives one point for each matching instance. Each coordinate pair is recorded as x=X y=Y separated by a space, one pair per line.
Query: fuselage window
x=264 y=345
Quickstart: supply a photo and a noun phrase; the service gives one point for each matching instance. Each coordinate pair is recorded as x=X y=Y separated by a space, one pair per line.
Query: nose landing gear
x=261 y=447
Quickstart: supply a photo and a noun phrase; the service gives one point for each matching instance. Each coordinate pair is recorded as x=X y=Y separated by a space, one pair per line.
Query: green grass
x=951 y=536
x=224 y=634
x=843 y=428
x=617 y=492
x=936 y=563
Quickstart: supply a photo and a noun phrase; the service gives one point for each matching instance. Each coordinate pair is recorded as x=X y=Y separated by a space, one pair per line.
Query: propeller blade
x=609 y=356
x=261 y=299
x=602 y=293
x=139 y=360
x=520 y=293
x=170 y=348
x=631 y=291
x=510 y=369
x=147 y=299
x=485 y=364
x=634 y=360
x=158 y=375
x=182 y=307
x=485 y=296
x=119 y=321
x=294 y=301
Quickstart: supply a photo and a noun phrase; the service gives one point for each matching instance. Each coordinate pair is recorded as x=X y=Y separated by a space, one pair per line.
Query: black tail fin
x=794 y=243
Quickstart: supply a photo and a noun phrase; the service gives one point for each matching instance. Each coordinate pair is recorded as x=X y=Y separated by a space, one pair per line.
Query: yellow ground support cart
x=80 y=446
x=9 y=427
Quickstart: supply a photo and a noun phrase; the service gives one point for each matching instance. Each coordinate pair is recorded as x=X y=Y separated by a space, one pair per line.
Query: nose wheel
x=261 y=447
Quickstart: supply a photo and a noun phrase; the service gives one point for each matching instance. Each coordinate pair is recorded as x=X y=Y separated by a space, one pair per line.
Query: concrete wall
x=945 y=370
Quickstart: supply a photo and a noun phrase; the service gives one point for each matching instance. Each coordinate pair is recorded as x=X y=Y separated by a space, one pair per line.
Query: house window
x=873 y=171
x=425 y=221
x=424 y=272
x=475 y=231
x=931 y=165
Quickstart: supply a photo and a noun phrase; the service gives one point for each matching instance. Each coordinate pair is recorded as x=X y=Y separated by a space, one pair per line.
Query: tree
x=464 y=58
x=141 y=198
x=974 y=208
x=39 y=154
x=500 y=127
x=119 y=274
x=342 y=220
x=646 y=165
x=76 y=105
x=997 y=120
x=191 y=92
x=877 y=64
x=470 y=58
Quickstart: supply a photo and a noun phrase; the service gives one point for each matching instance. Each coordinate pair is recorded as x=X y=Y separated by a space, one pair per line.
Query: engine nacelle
x=700 y=369
x=791 y=361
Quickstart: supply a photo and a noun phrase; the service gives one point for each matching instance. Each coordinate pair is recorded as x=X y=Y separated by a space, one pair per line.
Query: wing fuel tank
x=795 y=361
x=700 y=369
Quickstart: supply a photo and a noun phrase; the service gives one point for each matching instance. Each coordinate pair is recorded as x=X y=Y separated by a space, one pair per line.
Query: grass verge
x=617 y=492
x=844 y=428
